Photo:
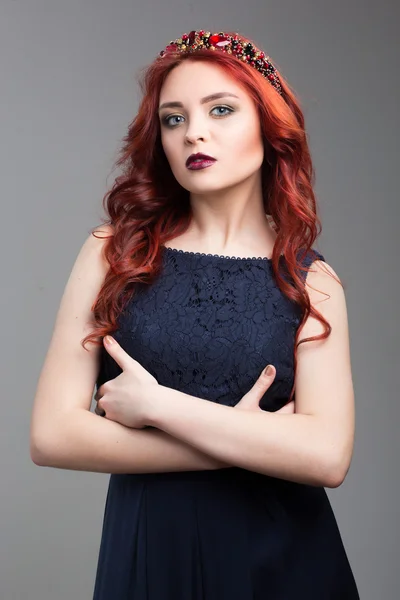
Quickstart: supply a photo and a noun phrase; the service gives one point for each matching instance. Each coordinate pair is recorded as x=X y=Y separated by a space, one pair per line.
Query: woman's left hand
x=127 y=398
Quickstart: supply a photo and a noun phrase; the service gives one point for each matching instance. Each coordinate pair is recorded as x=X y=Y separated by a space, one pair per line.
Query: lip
x=202 y=164
x=205 y=158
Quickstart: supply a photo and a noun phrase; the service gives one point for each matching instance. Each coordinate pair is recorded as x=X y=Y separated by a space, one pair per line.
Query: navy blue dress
x=207 y=326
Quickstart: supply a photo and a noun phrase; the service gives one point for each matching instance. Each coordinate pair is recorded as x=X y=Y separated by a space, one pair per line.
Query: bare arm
x=64 y=433
x=87 y=442
x=315 y=445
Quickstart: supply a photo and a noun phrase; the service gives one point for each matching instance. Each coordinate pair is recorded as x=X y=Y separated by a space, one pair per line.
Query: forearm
x=86 y=442
x=296 y=447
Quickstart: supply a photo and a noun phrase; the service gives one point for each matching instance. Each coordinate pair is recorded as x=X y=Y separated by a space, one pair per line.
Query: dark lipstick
x=199 y=161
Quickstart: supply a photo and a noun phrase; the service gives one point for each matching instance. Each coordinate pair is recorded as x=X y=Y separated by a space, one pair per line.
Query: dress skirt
x=226 y=534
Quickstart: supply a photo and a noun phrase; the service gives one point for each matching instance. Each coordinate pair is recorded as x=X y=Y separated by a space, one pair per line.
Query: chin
x=202 y=184
x=205 y=189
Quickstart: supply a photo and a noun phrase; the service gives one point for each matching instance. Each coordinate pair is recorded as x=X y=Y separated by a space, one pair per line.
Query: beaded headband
x=235 y=45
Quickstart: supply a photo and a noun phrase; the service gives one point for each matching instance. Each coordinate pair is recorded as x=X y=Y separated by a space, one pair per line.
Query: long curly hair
x=146 y=206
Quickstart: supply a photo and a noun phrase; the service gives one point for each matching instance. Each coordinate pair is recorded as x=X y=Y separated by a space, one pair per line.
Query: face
x=226 y=128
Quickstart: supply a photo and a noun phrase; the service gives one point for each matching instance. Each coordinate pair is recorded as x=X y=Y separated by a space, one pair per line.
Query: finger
x=101 y=405
x=265 y=379
x=254 y=395
x=121 y=357
x=99 y=411
x=100 y=392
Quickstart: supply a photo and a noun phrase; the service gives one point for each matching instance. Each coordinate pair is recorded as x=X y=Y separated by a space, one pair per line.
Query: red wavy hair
x=146 y=206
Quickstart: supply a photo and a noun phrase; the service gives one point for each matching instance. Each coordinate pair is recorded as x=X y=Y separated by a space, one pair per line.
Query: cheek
x=247 y=145
x=171 y=151
x=165 y=142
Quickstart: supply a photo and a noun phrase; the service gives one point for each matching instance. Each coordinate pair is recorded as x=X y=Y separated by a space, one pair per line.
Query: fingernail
x=269 y=370
x=108 y=339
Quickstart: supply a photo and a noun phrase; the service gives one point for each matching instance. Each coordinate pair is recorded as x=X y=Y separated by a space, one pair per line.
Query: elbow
x=42 y=448
x=47 y=440
x=36 y=457
x=51 y=444
x=334 y=478
x=37 y=453
x=336 y=470
x=39 y=440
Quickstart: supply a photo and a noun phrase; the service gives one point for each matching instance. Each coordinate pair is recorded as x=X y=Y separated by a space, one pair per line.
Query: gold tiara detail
x=244 y=51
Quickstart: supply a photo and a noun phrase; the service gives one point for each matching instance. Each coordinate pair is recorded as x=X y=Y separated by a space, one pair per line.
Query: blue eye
x=167 y=120
x=225 y=108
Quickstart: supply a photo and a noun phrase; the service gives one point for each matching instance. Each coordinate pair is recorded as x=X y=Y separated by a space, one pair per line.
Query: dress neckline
x=220 y=256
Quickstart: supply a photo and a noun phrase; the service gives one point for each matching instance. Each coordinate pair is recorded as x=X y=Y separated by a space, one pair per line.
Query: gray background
x=68 y=91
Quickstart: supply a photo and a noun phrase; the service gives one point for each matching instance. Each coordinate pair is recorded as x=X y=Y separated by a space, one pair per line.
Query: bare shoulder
x=321 y=280
x=90 y=267
x=96 y=240
x=326 y=293
x=324 y=386
x=69 y=370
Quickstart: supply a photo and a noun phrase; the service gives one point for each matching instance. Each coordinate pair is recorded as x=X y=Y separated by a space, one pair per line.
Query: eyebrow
x=202 y=101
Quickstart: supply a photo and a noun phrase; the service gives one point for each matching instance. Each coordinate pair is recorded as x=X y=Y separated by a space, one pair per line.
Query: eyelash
x=165 y=120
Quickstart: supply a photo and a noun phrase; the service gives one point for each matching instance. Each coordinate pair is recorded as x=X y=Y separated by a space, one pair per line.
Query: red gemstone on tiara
x=242 y=50
x=219 y=40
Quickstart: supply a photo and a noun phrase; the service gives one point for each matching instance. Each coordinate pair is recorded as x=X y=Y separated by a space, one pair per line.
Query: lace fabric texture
x=209 y=325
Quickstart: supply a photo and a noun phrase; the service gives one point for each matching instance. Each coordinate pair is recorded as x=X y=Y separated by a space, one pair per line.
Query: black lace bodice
x=208 y=326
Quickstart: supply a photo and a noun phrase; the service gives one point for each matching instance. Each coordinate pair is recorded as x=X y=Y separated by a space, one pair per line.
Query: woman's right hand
x=251 y=400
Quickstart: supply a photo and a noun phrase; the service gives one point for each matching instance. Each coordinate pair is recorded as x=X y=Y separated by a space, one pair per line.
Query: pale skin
x=311 y=444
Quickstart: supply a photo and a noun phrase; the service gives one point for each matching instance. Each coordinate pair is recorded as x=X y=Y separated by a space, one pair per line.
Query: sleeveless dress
x=208 y=326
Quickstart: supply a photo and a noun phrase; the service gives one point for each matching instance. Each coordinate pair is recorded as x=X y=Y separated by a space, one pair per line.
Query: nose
x=195 y=131
x=191 y=137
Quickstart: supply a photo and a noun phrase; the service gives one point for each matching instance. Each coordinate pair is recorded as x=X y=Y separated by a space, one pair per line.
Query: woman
x=204 y=279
